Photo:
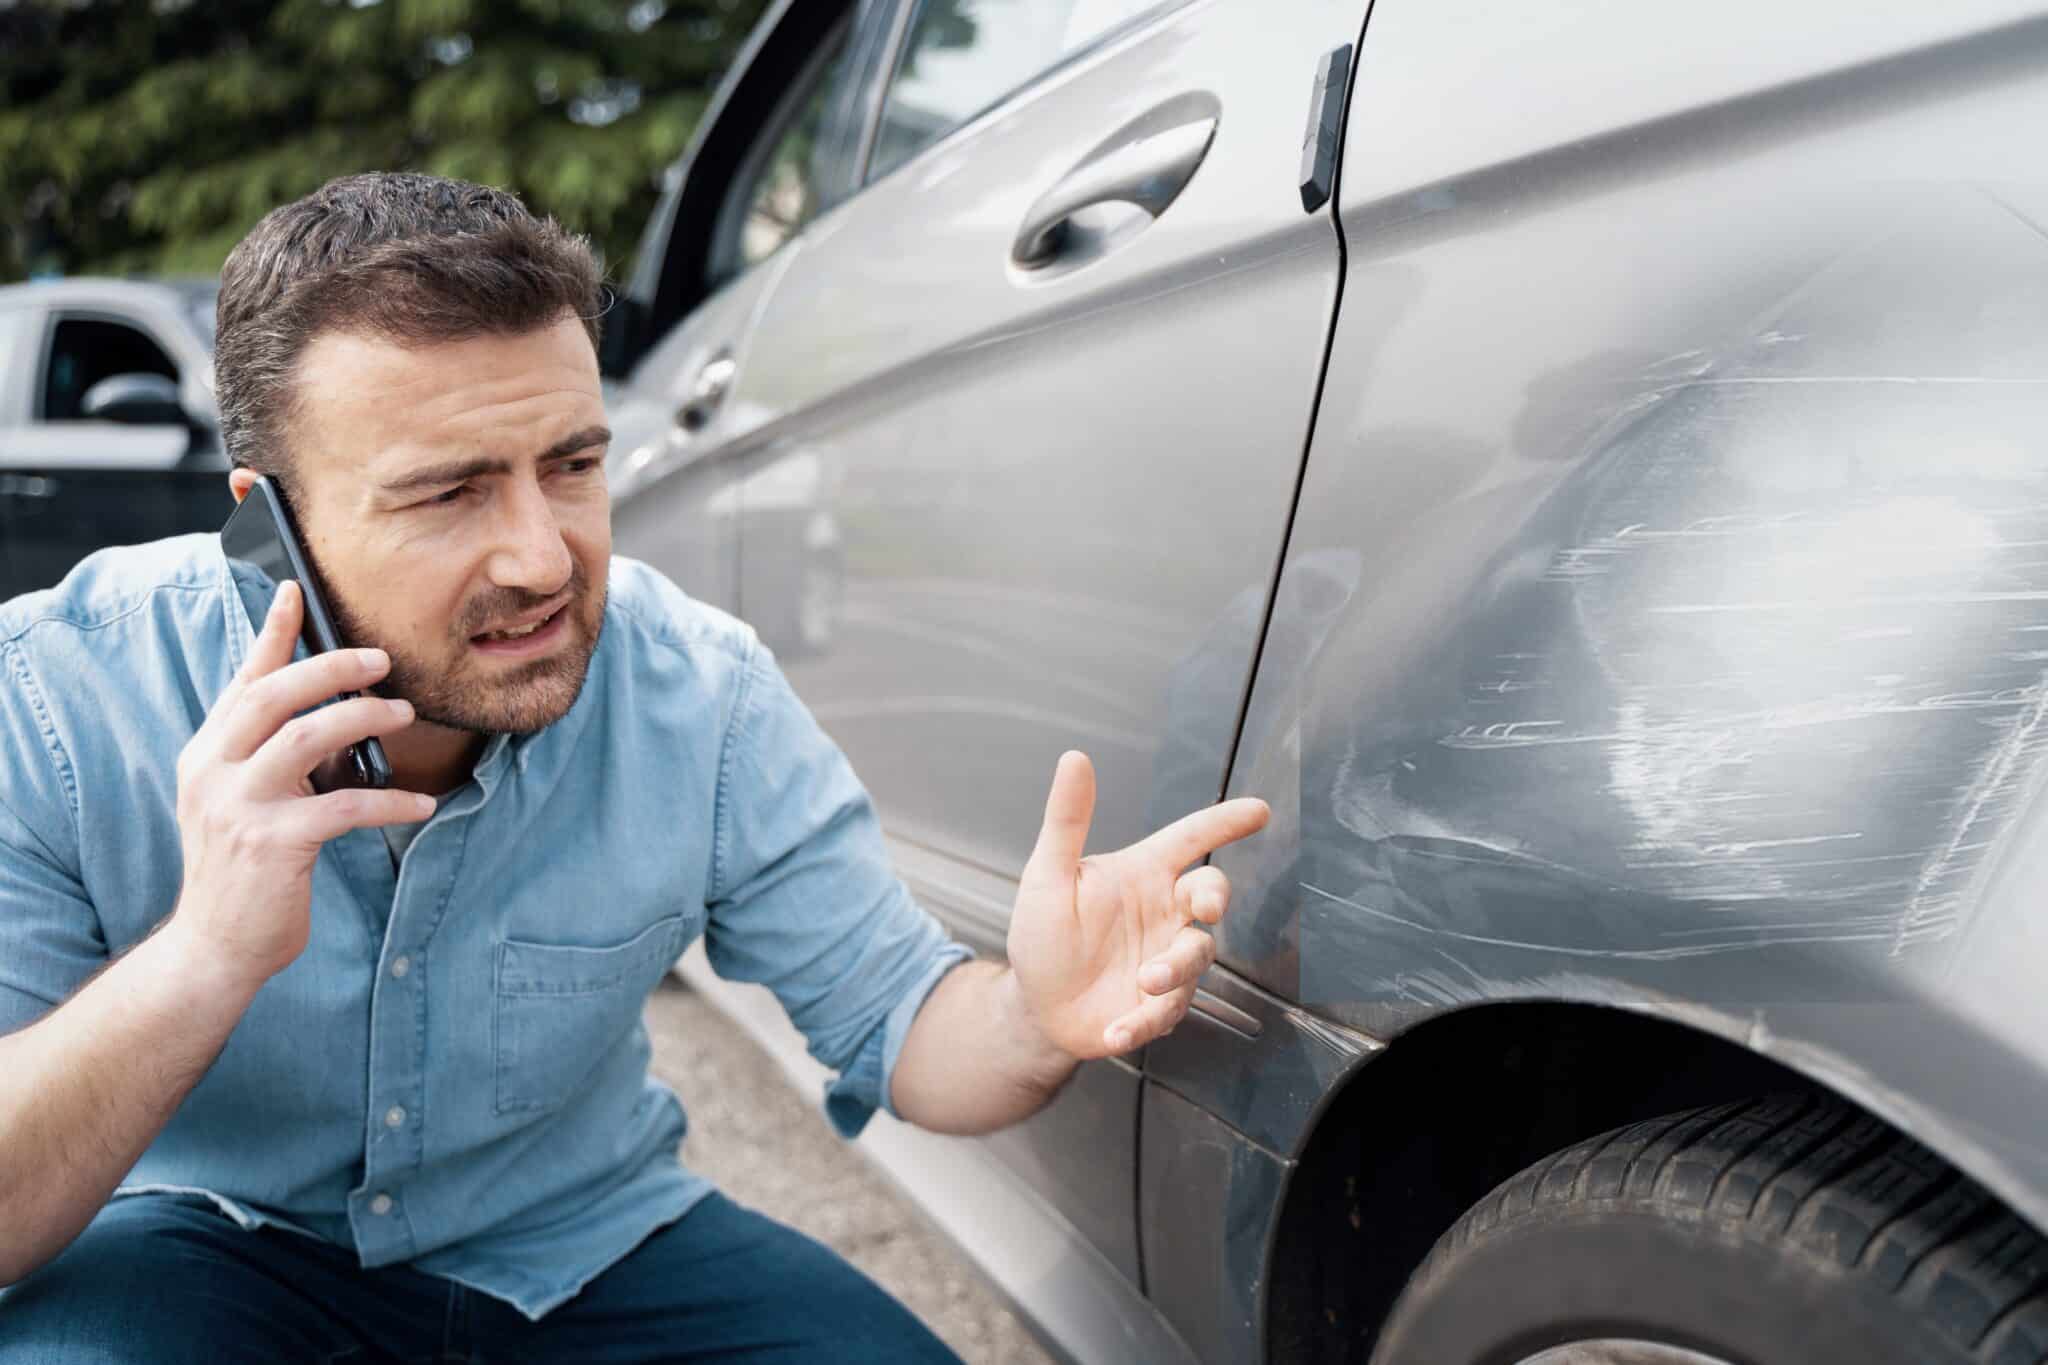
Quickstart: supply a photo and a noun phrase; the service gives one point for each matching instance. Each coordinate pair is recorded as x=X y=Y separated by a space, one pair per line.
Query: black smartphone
x=260 y=542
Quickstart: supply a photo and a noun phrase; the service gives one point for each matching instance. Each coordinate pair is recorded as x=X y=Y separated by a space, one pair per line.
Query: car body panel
x=674 y=502
x=1082 y=1307
x=1211 y=1202
x=903 y=350
x=1659 y=626
x=1265 y=1067
x=893 y=378
x=1095 y=1113
x=1231 y=1098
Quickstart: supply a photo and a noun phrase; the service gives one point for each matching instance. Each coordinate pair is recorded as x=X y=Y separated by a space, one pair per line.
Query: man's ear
x=240 y=480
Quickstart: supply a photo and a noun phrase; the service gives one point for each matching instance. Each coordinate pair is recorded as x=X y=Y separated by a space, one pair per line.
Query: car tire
x=1788 y=1230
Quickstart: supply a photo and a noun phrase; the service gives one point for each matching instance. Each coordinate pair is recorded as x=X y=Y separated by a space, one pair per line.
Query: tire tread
x=1835 y=1185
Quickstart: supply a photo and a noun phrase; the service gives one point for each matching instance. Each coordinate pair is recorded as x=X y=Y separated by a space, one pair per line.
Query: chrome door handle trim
x=1149 y=171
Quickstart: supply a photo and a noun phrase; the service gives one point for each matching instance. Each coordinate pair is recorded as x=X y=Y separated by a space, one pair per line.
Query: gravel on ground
x=771 y=1149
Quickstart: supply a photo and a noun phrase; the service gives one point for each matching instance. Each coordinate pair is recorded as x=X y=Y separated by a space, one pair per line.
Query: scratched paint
x=1761 y=668
x=1696 y=474
x=1698 y=655
x=1733 y=705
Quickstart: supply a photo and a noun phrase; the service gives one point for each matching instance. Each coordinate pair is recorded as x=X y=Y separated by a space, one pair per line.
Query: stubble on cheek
x=451 y=685
x=460 y=690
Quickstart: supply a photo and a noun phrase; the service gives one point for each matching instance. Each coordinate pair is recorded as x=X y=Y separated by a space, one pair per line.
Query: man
x=360 y=1075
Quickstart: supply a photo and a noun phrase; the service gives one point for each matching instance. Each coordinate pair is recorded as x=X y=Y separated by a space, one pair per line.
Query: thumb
x=1068 y=810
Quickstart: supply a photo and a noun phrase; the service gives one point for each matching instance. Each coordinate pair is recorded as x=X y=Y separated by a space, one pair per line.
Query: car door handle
x=707 y=393
x=1149 y=170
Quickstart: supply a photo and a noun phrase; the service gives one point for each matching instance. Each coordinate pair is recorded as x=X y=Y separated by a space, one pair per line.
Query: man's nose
x=530 y=552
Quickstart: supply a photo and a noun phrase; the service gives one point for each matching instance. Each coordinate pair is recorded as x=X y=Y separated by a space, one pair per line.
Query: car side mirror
x=136 y=399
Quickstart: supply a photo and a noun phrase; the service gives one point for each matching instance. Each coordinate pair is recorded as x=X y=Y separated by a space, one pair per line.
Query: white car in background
x=108 y=430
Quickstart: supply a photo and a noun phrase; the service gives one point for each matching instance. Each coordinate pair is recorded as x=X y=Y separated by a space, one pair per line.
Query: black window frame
x=826 y=169
x=672 y=272
x=61 y=313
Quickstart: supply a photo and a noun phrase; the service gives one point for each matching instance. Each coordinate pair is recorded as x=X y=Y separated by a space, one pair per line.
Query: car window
x=83 y=351
x=963 y=56
x=777 y=189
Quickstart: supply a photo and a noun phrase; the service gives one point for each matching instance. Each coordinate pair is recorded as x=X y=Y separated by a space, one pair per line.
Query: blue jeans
x=170 y=1280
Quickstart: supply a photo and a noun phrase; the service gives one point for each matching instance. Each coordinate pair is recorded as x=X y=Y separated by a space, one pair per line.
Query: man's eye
x=583 y=466
x=444 y=499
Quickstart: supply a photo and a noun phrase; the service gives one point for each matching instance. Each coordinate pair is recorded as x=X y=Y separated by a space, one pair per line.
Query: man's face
x=452 y=491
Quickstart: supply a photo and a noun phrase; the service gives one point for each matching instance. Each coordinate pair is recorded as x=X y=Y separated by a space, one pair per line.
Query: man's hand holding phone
x=249 y=818
x=91 y=1084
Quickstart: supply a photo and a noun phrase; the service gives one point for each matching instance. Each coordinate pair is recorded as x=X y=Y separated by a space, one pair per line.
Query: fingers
x=268 y=701
x=1169 y=977
x=1152 y=1020
x=287 y=756
x=280 y=633
x=275 y=642
x=1185 y=959
x=1194 y=837
x=313 y=820
x=1202 y=894
x=1069 y=808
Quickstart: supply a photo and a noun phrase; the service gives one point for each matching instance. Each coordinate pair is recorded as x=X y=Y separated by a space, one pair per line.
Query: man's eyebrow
x=578 y=440
x=433 y=476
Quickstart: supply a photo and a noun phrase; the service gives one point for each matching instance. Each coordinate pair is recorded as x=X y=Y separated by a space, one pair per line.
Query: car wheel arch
x=1369 y=1194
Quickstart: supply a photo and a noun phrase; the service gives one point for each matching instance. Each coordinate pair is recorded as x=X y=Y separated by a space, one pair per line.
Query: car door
x=1034 y=402
x=74 y=484
x=770 y=153
x=1058 y=488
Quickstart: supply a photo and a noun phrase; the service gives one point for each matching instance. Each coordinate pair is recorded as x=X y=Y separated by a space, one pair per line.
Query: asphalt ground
x=771 y=1149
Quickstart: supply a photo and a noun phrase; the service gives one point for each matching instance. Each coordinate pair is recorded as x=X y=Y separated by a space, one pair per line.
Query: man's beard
x=518 y=700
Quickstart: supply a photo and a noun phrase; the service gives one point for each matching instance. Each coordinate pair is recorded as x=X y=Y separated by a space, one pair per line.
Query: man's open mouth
x=518 y=637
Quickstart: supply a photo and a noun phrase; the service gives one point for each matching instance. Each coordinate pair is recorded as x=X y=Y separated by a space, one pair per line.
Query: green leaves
x=145 y=137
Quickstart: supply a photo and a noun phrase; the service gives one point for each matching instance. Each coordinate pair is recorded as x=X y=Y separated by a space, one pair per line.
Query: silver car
x=1586 y=466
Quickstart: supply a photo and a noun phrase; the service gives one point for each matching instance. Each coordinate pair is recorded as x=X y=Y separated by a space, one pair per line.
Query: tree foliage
x=149 y=137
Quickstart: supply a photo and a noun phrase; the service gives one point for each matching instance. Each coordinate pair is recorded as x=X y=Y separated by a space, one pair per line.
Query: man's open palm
x=1107 y=949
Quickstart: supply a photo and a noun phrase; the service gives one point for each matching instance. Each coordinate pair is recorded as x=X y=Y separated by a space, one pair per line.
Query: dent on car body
x=1695 y=656
x=1765 y=671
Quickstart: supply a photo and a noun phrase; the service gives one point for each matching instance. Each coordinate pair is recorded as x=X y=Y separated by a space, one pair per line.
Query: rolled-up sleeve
x=802 y=898
x=50 y=940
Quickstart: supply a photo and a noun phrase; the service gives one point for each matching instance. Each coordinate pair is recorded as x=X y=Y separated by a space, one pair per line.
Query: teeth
x=516 y=634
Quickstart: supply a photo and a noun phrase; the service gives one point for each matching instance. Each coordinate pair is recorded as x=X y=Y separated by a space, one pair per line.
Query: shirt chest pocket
x=561 y=1012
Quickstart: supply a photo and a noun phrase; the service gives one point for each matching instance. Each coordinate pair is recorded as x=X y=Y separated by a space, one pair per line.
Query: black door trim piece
x=1325 y=130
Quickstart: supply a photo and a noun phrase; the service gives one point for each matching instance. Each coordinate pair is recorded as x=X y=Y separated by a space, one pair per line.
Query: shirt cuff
x=851 y=1098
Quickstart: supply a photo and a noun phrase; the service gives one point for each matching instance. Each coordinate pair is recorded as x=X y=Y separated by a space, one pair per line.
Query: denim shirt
x=454 y=1073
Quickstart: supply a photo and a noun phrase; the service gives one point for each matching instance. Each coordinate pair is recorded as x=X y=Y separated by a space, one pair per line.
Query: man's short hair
x=411 y=259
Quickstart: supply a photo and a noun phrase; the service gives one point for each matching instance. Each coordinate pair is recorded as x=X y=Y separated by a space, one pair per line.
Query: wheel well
x=1455 y=1106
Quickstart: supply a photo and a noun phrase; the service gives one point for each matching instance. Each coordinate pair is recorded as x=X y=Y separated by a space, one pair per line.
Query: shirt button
x=400 y=966
x=393 y=1116
x=381 y=1204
